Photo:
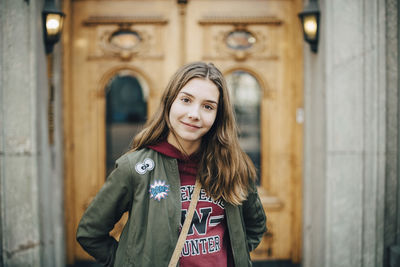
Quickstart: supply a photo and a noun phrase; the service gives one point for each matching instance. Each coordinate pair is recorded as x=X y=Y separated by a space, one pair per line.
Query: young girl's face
x=193 y=113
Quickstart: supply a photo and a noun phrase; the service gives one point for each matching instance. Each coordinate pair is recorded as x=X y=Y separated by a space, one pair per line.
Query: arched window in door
x=126 y=113
x=246 y=97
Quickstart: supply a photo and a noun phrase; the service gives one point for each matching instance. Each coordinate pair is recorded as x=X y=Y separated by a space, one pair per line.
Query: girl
x=191 y=137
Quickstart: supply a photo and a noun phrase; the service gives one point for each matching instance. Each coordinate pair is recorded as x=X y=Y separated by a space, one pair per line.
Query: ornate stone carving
x=217 y=29
x=109 y=49
x=146 y=28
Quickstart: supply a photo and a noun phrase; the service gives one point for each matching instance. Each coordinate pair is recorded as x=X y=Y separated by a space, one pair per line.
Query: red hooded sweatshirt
x=207 y=242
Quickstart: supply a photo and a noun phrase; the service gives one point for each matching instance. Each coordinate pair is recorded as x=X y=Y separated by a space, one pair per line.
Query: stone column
x=19 y=137
x=392 y=186
x=345 y=136
x=31 y=213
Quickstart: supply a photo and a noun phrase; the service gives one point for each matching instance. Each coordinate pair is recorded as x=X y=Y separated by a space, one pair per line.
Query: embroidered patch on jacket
x=159 y=190
x=146 y=165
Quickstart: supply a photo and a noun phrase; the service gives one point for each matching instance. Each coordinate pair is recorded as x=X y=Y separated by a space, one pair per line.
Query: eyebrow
x=210 y=101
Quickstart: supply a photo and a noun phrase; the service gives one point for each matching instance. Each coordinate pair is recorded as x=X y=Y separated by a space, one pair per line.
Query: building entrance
x=118 y=58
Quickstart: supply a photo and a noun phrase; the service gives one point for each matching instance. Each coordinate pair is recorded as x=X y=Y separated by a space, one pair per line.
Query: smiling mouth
x=191 y=125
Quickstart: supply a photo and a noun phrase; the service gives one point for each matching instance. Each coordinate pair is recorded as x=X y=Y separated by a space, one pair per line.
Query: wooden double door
x=118 y=58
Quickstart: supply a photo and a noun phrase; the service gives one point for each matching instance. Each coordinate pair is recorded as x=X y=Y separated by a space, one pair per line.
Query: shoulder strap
x=186 y=224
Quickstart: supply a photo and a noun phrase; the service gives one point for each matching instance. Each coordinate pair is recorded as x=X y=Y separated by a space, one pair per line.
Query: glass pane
x=246 y=95
x=126 y=111
x=125 y=39
x=240 y=40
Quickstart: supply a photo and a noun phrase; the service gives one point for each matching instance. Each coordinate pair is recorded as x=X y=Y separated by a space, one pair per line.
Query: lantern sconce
x=53 y=21
x=310 y=22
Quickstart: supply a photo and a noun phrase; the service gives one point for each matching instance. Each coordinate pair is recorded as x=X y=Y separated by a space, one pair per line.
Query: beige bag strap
x=186 y=224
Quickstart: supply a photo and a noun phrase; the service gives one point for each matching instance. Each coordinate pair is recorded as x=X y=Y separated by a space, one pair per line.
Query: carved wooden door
x=256 y=43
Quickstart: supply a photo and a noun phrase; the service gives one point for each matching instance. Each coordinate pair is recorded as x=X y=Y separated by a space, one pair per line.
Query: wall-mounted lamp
x=53 y=21
x=310 y=21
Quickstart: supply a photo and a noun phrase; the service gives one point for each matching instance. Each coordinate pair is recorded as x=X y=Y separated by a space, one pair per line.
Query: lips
x=195 y=127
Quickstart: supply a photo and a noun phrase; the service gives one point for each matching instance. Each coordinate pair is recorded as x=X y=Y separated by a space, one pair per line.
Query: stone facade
x=31 y=178
x=351 y=136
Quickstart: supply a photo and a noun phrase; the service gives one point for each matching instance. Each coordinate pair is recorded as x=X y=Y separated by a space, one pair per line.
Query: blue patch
x=159 y=190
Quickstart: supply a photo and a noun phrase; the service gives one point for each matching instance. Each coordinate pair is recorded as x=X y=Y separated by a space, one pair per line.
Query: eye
x=185 y=99
x=209 y=107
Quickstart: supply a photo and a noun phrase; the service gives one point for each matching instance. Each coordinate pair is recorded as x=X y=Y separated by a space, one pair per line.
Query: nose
x=194 y=113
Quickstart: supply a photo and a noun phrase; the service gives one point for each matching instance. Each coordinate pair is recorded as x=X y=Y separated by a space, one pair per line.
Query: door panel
x=261 y=38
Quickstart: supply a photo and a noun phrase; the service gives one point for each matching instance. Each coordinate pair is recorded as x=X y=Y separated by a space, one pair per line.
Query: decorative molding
x=218 y=49
x=124 y=54
x=240 y=20
x=149 y=46
x=217 y=28
x=240 y=55
x=118 y=20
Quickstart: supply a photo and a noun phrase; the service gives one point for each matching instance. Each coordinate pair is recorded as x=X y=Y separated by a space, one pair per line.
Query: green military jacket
x=152 y=230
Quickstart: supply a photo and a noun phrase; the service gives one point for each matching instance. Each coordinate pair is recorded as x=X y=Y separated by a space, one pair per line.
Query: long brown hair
x=225 y=171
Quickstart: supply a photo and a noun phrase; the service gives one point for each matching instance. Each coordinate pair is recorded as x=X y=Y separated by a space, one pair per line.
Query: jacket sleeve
x=254 y=219
x=104 y=211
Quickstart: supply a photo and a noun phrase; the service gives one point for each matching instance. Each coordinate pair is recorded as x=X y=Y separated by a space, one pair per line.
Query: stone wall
x=351 y=131
x=30 y=173
x=392 y=186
